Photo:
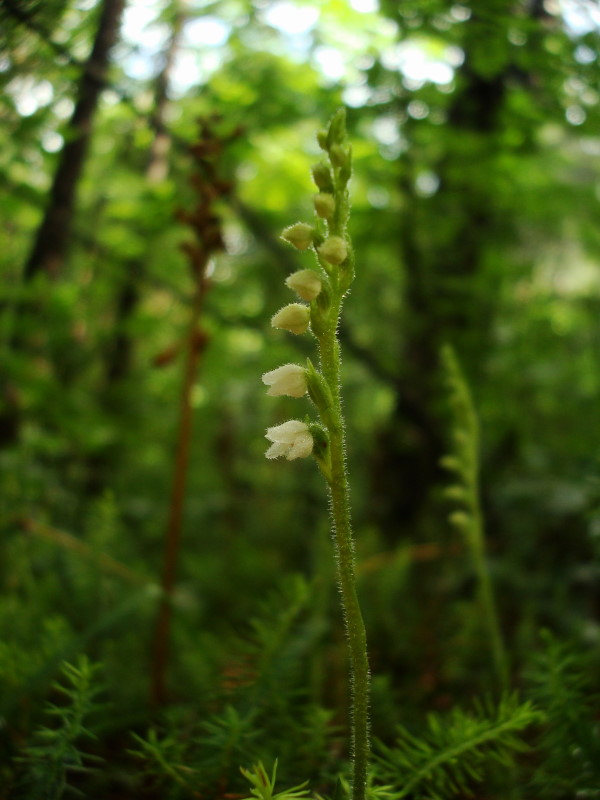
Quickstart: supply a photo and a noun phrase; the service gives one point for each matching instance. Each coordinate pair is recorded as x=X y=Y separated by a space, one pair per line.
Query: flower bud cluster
x=321 y=289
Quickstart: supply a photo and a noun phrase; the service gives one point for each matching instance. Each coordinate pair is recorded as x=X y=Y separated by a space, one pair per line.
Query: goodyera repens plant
x=323 y=289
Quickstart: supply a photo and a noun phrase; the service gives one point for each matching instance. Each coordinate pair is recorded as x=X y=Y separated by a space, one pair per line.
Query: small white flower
x=294 y=318
x=292 y=439
x=334 y=250
x=300 y=235
x=306 y=283
x=287 y=380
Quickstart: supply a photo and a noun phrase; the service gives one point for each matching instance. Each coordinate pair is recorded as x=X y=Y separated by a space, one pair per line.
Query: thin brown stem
x=195 y=344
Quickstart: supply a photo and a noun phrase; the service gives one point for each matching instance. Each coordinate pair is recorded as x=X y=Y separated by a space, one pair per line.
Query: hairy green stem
x=344 y=547
x=325 y=291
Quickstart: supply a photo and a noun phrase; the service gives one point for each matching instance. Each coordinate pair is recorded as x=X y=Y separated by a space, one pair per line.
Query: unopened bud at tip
x=337 y=126
x=322 y=139
x=322 y=177
x=340 y=155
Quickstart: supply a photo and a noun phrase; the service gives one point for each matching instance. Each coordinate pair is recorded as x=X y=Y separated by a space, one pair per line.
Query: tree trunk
x=52 y=238
x=443 y=297
x=158 y=165
x=119 y=352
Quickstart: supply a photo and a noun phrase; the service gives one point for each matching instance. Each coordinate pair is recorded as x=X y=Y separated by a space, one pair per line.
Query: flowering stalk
x=324 y=288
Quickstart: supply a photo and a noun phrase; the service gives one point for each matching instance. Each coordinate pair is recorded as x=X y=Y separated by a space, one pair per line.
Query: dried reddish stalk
x=206 y=226
x=195 y=343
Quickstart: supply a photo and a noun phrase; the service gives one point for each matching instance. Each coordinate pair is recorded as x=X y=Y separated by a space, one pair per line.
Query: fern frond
x=468 y=517
x=264 y=709
x=343 y=791
x=162 y=758
x=456 y=750
x=570 y=741
x=54 y=752
x=277 y=638
x=263 y=786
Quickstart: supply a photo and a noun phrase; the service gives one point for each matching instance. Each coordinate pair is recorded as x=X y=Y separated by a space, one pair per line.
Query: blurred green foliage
x=475 y=220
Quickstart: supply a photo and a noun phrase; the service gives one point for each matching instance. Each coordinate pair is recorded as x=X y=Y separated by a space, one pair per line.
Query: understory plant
x=463 y=462
x=456 y=749
x=568 y=746
x=323 y=288
x=55 y=753
x=263 y=785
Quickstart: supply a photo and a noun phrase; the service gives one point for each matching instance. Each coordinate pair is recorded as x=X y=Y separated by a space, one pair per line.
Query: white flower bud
x=288 y=380
x=324 y=205
x=306 y=283
x=292 y=439
x=294 y=318
x=299 y=235
x=334 y=250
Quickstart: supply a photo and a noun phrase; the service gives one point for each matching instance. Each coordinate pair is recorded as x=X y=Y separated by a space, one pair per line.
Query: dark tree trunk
x=448 y=294
x=443 y=297
x=52 y=238
x=158 y=164
x=119 y=352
